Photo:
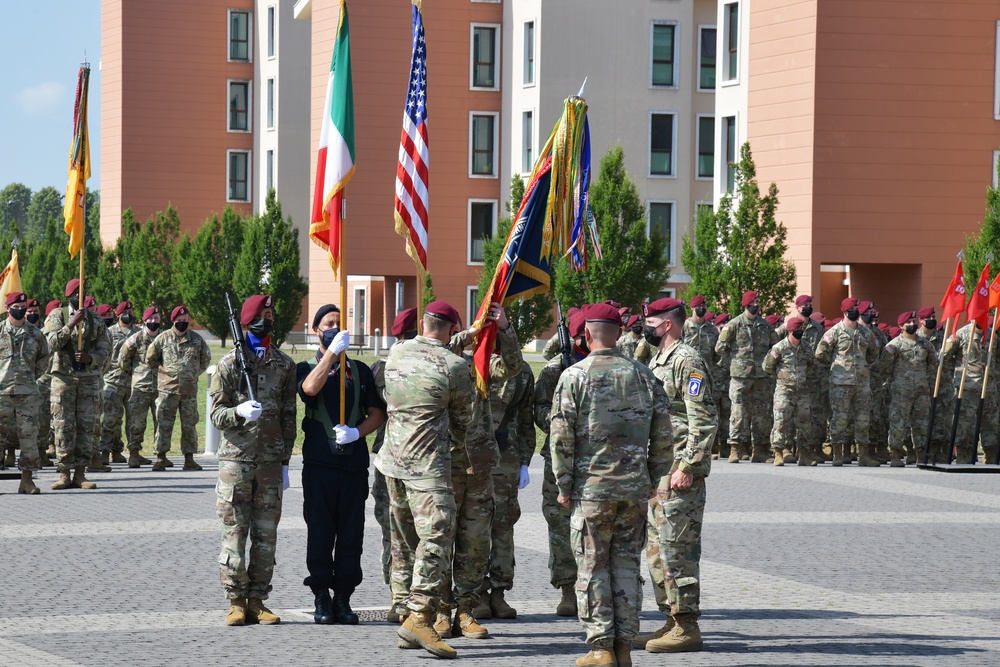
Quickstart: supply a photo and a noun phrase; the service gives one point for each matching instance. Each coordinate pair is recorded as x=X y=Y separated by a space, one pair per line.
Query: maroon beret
x=722 y=318
x=252 y=307
x=16 y=297
x=847 y=304
x=926 y=313
x=905 y=317
x=710 y=315
x=72 y=286
x=632 y=321
x=894 y=332
x=614 y=304
x=794 y=324
x=624 y=311
x=52 y=305
x=32 y=303
x=444 y=310
x=104 y=310
x=773 y=320
x=569 y=313
x=818 y=317
x=883 y=327
x=661 y=306
x=576 y=324
x=802 y=300
x=748 y=298
x=865 y=306
x=89 y=301
x=177 y=312
x=405 y=321
x=828 y=324
x=602 y=312
x=122 y=307
x=149 y=312
x=698 y=301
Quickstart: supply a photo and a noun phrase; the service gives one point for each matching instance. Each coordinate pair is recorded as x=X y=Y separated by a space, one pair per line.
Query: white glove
x=249 y=410
x=284 y=477
x=525 y=478
x=341 y=342
x=346 y=434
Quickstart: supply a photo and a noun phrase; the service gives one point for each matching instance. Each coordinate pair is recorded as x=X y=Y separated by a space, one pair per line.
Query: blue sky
x=42 y=43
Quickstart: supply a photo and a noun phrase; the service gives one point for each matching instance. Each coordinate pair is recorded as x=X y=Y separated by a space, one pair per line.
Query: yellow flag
x=10 y=280
x=79 y=167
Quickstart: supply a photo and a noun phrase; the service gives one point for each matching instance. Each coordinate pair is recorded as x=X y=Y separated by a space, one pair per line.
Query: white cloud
x=41 y=98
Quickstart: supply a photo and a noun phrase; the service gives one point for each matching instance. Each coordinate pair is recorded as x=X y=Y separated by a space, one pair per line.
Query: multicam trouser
x=74 y=403
x=19 y=423
x=140 y=404
x=792 y=417
x=45 y=440
x=850 y=403
x=474 y=522
x=967 y=448
x=167 y=406
x=908 y=411
x=676 y=517
x=562 y=564
x=653 y=560
x=506 y=513
x=114 y=398
x=248 y=500
x=422 y=526
x=607 y=537
x=750 y=419
x=380 y=494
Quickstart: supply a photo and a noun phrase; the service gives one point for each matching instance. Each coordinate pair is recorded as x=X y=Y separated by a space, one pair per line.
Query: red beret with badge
x=661 y=306
x=926 y=313
x=865 y=306
x=122 y=307
x=177 y=312
x=794 y=324
x=89 y=301
x=443 y=310
x=748 y=298
x=104 y=310
x=847 y=304
x=905 y=317
x=253 y=307
x=405 y=321
x=16 y=297
x=149 y=312
x=602 y=312
x=32 y=303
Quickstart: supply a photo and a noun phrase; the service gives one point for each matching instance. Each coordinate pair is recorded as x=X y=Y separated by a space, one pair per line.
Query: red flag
x=995 y=293
x=979 y=304
x=953 y=302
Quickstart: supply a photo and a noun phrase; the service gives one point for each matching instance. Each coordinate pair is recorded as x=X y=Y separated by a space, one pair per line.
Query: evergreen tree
x=147 y=260
x=428 y=295
x=15 y=199
x=986 y=241
x=45 y=204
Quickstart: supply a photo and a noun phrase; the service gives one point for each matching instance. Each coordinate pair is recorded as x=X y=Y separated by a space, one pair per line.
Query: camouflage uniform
x=673 y=549
x=955 y=349
x=644 y=352
x=815 y=388
x=142 y=392
x=703 y=338
x=427 y=390
x=380 y=492
x=909 y=364
x=945 y=406
x=552 y=348
x=611 y=442
x=789 y=364
x=248 y=494
x=743 y=344
x=24 y=357
x=45 y=440
x=116 y=391
x=180 y=358
x=879 y=429
x=75 y=393
x=627 y=344
x=848 y=352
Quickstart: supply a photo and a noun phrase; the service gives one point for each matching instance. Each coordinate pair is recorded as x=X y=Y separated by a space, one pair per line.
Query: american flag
x=411 y=173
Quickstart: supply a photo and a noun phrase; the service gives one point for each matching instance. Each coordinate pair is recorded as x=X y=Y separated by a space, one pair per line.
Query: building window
x=996 y=76
x=706 y=147
x=239 y=106
x=239 y=35
x=996 y=176
x=706 y=58
x=661 y=144
x=527 y=141
x=729 y=150
x=702 y=208
x=472 y=303
x=483 y=141
x=482 y=223
x=238 y=176
x=661 y=220
x=731 y=14
x=270 y=169
x=270 y=32
x=529 y=53
x=270 y=103
x=664 y=56
x=484 y=57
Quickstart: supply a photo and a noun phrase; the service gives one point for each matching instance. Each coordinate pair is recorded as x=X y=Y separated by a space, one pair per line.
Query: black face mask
x=33 y=318
x=17 y=313
x=260 y=327
x=181 y=326
x=152 y=326
x=911 y=329
x=867 y=318
x=74 y=302
x=328 y=336
x=753 y=310
x=806 y=311
x=852 y=315
x=797 y=334
x=637 y=330
x=126 y=318
x=700 y=312
x=410 y=335
x=649 y=333
x=930 y=324
x=108 y=323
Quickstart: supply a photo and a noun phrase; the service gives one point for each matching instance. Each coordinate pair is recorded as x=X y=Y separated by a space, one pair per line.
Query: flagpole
x=82 y=297
x=937 y=388
x=421 y=279
x=343 y=304
x=982 y=396
x=961 y=390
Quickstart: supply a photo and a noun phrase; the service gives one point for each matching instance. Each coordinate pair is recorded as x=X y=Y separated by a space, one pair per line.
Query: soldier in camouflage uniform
x=610 y=435
x=117 y=387
x=849 y=348
x=427 y=390
x=257 y=440
x=789 y=362
x=879 y=420
x=702 y=335
x=46 y=448
x=551 y=348
x=142 y=392
x=945 y=407
x=181 y=356
x=743 y=344
x=76 y=381
x=675 y=514
x=562 y=564
x=972 y=361
x=631 y=337
x=24 y=357
x=106 y=313
x=910 y=363
x=814 y=432
x=721 y=390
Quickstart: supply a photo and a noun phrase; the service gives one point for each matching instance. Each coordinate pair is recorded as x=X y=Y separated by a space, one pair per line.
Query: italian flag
x=335 y=162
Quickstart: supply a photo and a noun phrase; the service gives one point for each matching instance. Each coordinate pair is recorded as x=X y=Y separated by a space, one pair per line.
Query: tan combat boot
x=482 y=610
x=499 y=606
x=467 y=626
x=789 y=456
x=734 y=454
x=567 y=605
x=63 y=482
x=190 y=463
x=237 y=612
x=162 y=463
x=96 y=465
x=623 y=652
x=80 y=480
x=598 y=656
x=417 y=629
x=641 y=640
x=442 y=623
x=684 y=637
x=27 y=486
x=805 y=457
x=258 y=613
x=134 y=460
x=779 y=457
x=895 y=460
x=838 y=455
x=117 y=457
x=866 y=459
x=758 y=454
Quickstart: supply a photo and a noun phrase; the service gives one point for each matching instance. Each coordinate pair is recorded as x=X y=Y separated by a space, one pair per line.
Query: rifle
x=240 y=345
x=565 y=344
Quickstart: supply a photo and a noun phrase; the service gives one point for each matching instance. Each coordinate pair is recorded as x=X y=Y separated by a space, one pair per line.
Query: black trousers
x=334 y=510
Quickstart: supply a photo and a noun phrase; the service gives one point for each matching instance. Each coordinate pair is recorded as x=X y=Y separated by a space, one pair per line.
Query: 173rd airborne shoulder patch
x=694 y=384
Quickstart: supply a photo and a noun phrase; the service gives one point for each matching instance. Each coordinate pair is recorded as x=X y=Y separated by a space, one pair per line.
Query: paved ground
x=819 y=566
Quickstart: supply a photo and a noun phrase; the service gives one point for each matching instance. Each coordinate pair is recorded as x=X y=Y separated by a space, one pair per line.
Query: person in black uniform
x=335 y=467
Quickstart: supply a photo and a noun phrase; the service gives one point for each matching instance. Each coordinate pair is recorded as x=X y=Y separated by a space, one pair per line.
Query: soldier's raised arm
x=824 y=350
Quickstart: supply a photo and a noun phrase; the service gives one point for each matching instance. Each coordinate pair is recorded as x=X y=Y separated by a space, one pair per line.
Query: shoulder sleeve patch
x=774 y=353
x=694 y=384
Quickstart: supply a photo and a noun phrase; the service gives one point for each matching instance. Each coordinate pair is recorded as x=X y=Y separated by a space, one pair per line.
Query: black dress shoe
x=324 y=609
x=342 y=612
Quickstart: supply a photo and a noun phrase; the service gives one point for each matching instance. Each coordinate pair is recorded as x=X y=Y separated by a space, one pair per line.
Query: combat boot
x=417 y=629
x=237 y=614
x=499 y=606
x=63 y=482
x=865 y=457
x=80 y=480
x=134 y=460
x=789 y=456
x=467 y=626
x=911 y=455
x=837 y=454
x=190 y=463
x=43 y=459
x=144 y=461
x=162 y=463
x=805 y=457
x=116 y=457
x=896 y=461
x=482 y=610
x=342 y=612
x=684 y=637
x=97 y=465
x=623 y=652
x=567 y=605
x=779 y=457
x=598 y=656
x=442 y=624
x=640 y=641
x=258 y=613
x=8 y=460
x=734 y=454
x=397 y=614
x=850 y=454
x=323 y=615
x=27 y=486
x=881 y=452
